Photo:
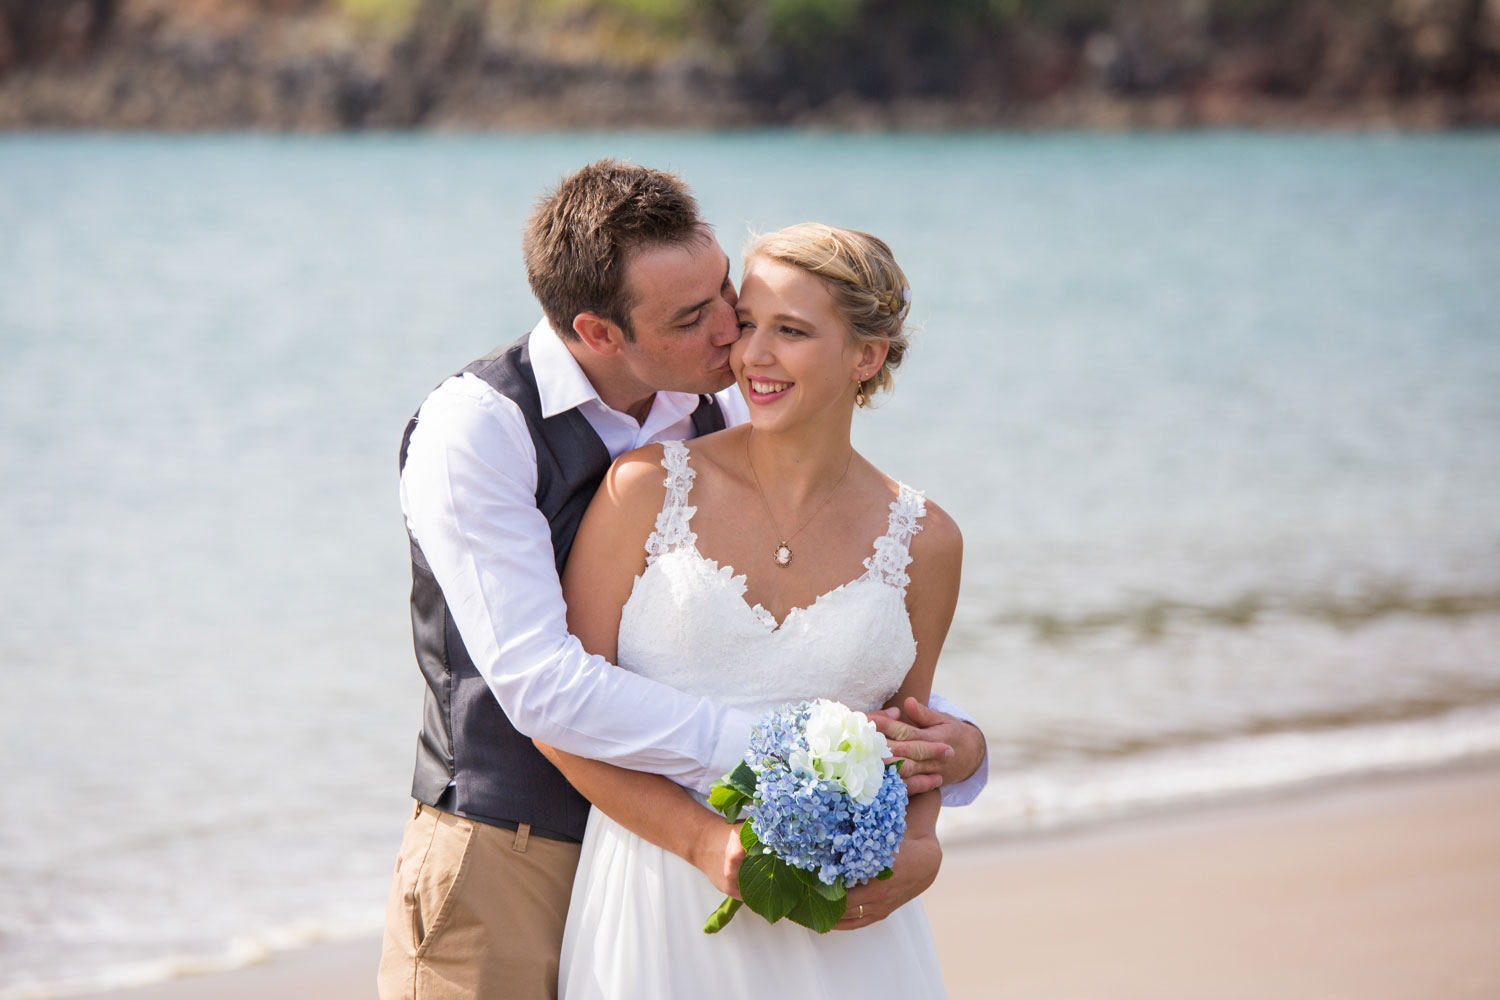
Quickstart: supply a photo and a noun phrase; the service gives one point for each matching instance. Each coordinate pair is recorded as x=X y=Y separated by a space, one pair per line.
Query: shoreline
x=1383 y=886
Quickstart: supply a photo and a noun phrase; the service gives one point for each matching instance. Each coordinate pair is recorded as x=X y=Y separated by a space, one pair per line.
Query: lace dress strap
x=888 y=564
x=672 y=531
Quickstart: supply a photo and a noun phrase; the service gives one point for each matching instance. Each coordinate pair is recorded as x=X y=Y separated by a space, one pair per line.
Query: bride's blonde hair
x=869 y=288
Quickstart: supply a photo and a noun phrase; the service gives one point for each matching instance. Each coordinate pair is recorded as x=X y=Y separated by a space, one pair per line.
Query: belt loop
x=523 y=834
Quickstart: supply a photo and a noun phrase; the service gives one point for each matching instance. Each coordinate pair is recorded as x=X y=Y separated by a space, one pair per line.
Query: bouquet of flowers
x=825 y=813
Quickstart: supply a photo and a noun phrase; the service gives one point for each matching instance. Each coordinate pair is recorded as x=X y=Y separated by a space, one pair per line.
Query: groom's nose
x=726 y=324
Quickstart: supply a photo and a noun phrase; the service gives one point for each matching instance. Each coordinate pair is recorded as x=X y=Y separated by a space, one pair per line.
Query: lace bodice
x=687 y=623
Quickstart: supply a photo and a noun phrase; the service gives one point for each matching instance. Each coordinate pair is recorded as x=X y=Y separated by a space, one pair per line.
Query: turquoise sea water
x=1218 y=414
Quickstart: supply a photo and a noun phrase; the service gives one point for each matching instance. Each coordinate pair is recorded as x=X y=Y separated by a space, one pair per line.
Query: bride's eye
x=792 y=331
x=745 y=324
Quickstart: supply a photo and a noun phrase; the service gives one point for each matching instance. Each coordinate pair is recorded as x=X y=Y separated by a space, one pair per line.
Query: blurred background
x=1216 y=408
x=327 y=65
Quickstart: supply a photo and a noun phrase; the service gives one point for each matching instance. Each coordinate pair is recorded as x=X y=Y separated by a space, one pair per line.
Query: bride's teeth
x=766 y=388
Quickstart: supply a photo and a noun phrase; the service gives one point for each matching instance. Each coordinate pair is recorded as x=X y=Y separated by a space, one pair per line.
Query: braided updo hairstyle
x=869 y=288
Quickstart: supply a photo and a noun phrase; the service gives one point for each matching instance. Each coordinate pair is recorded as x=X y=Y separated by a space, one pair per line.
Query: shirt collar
x=560 y=381
x=562 y=385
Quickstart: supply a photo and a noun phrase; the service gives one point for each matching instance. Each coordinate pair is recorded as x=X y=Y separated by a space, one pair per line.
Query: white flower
x=845 y=747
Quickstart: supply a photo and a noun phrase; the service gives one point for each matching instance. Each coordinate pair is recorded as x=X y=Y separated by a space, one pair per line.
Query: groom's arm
x=468 y=492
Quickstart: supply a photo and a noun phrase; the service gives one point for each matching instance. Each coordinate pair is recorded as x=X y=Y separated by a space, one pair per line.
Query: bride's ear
x=871 y=356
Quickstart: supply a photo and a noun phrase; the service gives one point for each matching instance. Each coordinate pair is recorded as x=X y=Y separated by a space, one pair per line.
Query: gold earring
x=859 y=394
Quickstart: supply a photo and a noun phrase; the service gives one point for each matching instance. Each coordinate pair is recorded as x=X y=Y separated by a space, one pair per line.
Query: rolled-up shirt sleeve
x=961 y=793
x=468 y=493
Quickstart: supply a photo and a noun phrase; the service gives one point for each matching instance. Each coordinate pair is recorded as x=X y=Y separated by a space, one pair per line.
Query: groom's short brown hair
x=580 y=235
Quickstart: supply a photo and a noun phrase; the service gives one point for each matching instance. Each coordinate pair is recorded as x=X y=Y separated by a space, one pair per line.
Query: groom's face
x=683 y=317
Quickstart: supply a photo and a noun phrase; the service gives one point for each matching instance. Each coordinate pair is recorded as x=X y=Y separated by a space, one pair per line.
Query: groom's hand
x=921 y=759
x=935 y=747
x=911 y=873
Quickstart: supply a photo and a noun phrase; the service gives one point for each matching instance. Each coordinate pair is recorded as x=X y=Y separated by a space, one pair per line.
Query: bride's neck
x=799 y=466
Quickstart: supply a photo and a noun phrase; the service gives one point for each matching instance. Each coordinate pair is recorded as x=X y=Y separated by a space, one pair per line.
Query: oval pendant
x=783 y=555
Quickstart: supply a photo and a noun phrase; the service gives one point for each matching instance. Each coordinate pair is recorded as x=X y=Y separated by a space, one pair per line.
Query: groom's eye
x=697 y=318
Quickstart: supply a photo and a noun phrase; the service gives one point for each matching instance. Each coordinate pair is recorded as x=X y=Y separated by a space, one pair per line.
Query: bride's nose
x=753 y=347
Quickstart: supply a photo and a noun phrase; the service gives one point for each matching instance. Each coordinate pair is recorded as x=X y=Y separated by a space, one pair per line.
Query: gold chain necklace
x=783 y=552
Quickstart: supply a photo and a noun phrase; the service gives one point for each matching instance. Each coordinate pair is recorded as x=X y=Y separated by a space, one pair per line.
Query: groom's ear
x=601 y=335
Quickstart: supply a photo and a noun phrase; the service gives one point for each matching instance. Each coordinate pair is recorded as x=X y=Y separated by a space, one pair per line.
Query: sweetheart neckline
x=758 y=610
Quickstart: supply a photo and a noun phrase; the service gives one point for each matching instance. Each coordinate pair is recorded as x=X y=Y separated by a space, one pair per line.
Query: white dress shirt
x=468 y=492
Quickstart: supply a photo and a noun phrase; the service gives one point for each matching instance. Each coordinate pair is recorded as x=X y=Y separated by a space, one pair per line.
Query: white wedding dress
x=635 y=923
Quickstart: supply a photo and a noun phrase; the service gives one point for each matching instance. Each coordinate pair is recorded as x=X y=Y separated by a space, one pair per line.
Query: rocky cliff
x=319 y=65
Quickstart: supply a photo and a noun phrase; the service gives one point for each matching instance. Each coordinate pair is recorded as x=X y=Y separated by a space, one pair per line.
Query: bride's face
x=795 y=359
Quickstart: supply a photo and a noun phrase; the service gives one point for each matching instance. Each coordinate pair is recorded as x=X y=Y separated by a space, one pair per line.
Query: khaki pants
x=475 y=912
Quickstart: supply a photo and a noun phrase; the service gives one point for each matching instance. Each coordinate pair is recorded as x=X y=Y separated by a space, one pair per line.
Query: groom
x=497 y=468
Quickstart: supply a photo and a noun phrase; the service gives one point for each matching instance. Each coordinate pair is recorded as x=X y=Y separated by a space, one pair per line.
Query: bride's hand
x=915 y=867
x=719 y=854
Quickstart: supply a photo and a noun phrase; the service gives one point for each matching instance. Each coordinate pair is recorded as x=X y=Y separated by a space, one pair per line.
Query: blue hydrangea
x=812 y=823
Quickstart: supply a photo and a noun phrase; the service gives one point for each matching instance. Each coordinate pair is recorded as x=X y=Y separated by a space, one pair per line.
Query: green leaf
x=811 y=880
x=897 y=765
x=742 y=780
x=728 y=800
x=749 y=840
x=769 y=887
x=722 y=916
x=884 y=875
x=818 y=913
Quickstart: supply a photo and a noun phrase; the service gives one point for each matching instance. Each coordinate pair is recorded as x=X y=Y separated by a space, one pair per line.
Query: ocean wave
x=1099 y=744
x=1048 y=798
x=1155 y=617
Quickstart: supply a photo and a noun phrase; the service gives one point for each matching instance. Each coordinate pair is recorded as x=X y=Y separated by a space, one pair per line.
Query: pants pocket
x=434 y=873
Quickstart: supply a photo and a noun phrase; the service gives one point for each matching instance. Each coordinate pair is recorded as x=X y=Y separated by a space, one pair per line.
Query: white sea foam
x=1064 y=795
x=239 y=953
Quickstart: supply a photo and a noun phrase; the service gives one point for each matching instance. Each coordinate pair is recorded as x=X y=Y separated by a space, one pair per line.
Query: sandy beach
x=1383 y=889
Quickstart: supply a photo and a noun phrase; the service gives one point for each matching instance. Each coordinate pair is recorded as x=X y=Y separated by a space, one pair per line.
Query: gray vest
x=497 y=775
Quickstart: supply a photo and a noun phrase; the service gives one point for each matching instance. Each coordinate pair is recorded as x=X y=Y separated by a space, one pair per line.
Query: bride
x=765 y=564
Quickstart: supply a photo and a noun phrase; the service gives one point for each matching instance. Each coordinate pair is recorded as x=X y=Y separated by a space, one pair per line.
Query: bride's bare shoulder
x=938 y=540
x=719 y=452
x=634 y=487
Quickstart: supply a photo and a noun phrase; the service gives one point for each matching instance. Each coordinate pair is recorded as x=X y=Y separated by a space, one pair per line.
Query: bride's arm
x=657 y=809
x=932 y=595
x=608 y=552
x=937 y=553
